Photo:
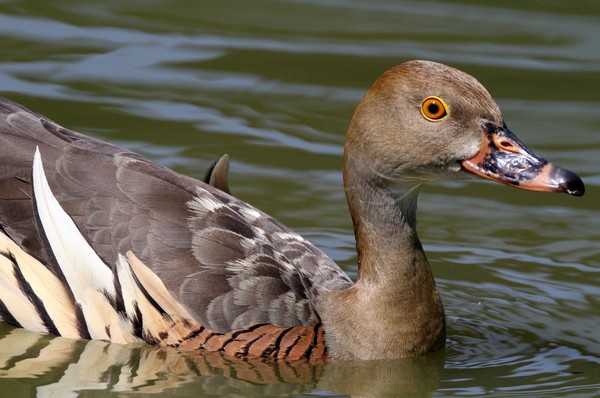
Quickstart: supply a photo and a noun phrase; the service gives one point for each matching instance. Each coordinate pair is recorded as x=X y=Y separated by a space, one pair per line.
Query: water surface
x=274 y=84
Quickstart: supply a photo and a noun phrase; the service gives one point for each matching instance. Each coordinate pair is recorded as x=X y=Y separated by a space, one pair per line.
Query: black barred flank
x=210 y=336
x=196 y=332
x=268 y=350
x=252 y=328
x=234 y=338
x=33 y=298
x=315 y=340
x=278 y=340
x=289 y=347
x=246 y=348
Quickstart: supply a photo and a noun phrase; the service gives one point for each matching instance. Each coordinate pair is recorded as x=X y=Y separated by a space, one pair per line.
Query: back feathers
x=80 y=296
x=85 y=298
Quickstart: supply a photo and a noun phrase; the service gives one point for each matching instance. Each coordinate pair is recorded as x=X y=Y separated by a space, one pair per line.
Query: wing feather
x=201 y=242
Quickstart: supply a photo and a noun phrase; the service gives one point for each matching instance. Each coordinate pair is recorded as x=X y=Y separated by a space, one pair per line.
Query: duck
x=98 y=242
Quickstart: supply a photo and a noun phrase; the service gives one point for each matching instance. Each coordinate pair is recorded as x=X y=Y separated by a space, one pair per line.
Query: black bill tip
x=569 y=182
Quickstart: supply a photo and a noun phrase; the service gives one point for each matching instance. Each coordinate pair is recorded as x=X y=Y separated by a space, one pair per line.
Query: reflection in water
x=418 y=377
x=97 y=365
x=64 y=367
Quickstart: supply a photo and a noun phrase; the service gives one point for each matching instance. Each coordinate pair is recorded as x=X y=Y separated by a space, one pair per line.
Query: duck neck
x=394 y=306
x=387 y=244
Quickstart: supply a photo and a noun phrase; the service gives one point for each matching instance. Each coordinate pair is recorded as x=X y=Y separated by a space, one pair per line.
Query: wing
x=86 y=299
x=229 y=264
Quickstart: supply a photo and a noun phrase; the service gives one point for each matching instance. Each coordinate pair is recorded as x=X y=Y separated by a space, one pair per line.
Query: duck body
x=238 y=280
x=229 y=264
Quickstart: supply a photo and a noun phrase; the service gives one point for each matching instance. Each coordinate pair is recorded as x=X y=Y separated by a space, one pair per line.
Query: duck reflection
x=61 y=367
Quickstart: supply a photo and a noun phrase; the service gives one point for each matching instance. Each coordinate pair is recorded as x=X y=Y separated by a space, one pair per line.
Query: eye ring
x=434 y=109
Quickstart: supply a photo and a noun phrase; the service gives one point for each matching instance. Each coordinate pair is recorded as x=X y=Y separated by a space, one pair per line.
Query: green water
x=274 y=84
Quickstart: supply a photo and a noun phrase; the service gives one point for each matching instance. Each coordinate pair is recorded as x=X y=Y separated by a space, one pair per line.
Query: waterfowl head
x=423 y=120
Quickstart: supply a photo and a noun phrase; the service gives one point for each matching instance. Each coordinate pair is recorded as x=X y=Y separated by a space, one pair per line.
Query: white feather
x=176 y=325
x=15 y=300
x=89 y=280
x=156 y=288
x=50 y=290
x=203 y=203
x=85 y=272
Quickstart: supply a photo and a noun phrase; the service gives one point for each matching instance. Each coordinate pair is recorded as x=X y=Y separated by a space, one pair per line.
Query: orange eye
x=434 y=109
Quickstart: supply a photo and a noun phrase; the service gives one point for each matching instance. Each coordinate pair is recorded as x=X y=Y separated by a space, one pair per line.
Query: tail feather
x=161 y=319
x=21 y=310
x=129 y=304
x=24 y=306
x=160 y=294
x=86 y=274
x=85 y=268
